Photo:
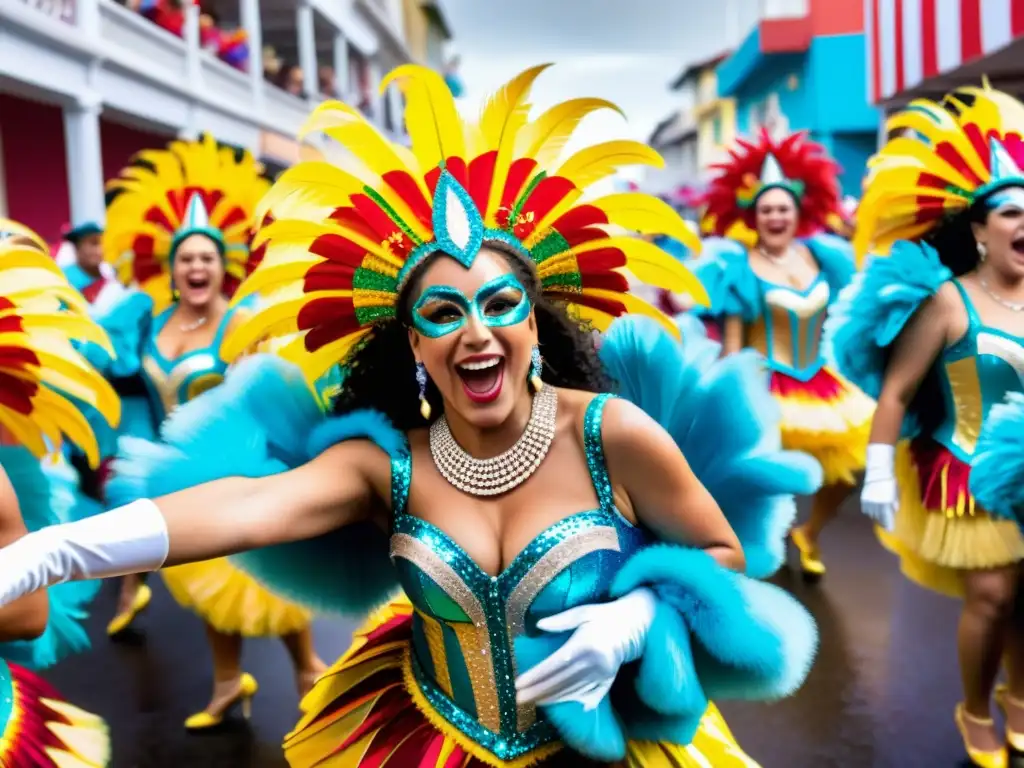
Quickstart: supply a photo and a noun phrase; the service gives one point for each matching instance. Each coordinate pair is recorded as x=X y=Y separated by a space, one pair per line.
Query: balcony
x=100 y=52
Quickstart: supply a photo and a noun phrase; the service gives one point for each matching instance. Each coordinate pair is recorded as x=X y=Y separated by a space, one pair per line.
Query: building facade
x=932 y=46
x=805 y=68
x=84 y=84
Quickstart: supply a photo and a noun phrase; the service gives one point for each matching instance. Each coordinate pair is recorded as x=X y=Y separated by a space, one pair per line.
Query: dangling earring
x=536 y=366
x=982 y=251
x=421 y=379
x=175 y=294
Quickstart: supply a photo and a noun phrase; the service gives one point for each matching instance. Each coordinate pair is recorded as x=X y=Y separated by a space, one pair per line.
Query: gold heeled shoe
x=247 y=687
x=810 y=556
x=997 y=759
x=1003 y=698
x=123 y=620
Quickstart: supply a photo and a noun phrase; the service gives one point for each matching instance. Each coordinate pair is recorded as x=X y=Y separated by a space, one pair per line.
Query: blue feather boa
x=997 y=467
x=722 y=416
x=716 y=635
x=875 y=308
x=47 y=495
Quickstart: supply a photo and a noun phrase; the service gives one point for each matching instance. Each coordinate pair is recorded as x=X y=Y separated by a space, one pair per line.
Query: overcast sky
x=626 y=51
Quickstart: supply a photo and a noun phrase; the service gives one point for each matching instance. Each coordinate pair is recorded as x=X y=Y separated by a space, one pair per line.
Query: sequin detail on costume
x=570 y=563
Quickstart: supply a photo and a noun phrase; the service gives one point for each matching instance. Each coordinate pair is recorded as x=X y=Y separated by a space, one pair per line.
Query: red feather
x=339 y=249
x=329 y=276
x=579 y=217
x=481 y=172
x=518 y=173
x=600 y=260
x=406 y=188
x=542 y=200
x=800 y=160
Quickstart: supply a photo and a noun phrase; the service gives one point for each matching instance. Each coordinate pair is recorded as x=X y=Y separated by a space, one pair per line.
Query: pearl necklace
x=500 y=474
x=188 y=327
x=1010 y=305
x=778 y=261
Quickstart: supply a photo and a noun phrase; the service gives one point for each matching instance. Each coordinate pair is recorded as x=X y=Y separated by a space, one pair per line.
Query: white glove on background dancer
x=607 y=635
x=129 y=539
x=879 y=499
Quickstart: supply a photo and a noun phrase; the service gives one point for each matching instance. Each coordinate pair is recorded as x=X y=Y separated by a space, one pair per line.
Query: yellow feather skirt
x=828 y=418
x=940 y=531
x=232 y=601
x=367 y=710
x=43 y=731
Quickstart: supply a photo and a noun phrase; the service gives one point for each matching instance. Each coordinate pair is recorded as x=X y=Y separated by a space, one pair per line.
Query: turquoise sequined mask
x=443 y=309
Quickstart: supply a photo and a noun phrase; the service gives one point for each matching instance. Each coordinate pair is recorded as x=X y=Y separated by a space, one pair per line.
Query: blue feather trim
x=874 y=309
x=721 y=414
x=47 y=495
x=724 y=270
x=230 y=431
x=127 y=323
x=997 y=467
x=716 y=635
x=836 y=260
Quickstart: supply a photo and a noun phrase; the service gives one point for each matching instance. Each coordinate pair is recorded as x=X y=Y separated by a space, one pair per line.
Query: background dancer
x=935 y=331
x=180 y=222
x=774 y=296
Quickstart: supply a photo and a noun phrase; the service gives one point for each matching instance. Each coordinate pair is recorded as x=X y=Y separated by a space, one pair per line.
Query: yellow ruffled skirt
x=368 y=711
x=42 y=730
x=940 y=531
x=232 y=601
x=828 y=418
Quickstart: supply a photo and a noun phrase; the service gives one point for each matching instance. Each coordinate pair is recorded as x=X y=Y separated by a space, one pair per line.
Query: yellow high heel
x=123 y=620
x=998 y=759
x=810 y=555
x=1003 y=697
x=247 y=687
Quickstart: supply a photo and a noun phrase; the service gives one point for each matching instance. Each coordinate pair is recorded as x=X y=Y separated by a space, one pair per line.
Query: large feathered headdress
x=945 y=157
x=40 y=316
x=795 y=164
x=345 y=240
x=167 y=194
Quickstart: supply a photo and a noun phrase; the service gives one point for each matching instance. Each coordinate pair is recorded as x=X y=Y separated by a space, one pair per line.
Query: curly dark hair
x=381 y=374
x=954 y=239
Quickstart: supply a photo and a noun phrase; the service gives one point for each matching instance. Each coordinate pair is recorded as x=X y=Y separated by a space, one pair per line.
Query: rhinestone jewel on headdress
x=502 y=473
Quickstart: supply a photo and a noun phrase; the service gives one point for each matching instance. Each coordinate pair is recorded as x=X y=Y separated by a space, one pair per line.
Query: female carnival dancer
x=451 y=281
x=935 y=332
x=179 y=225
x=38 y=369
x=774 y=296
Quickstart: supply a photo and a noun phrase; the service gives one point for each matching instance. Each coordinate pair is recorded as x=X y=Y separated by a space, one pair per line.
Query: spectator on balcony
x=291 y=79
x=328 y=82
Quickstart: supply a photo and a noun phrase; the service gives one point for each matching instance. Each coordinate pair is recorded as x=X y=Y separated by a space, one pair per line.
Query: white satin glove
x=606 y=636
x=129 y=539
x=879 y=499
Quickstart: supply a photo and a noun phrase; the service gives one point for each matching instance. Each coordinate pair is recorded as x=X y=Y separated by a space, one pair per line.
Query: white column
x=307 y=48
x=250 y=18
x=191 y=33
x=394 y=95
x=87 y=17
x=84 y=159
x=341 y=78
x=376 y=102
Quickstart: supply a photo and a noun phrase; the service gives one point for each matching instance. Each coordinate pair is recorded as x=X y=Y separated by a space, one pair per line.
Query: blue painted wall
x=823 y=91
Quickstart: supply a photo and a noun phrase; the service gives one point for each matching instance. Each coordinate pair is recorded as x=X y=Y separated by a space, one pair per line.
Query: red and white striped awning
x=909 y=41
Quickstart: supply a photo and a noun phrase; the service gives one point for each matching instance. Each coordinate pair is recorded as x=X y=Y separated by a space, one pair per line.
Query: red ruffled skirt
x=827 y=418
x=44 y=731
x=368 y=712
x=940 y=531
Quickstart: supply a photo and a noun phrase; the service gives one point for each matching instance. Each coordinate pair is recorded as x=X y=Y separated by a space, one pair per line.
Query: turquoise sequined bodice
x=788 y=329
x=975 y=373
x=466 y=620
x=171 y=383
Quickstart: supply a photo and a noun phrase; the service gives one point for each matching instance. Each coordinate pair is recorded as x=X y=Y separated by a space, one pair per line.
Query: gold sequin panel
x=168 y=385
x=474 y=638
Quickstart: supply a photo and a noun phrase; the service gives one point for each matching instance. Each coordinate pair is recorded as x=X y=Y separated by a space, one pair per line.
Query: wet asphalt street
x=881 y=693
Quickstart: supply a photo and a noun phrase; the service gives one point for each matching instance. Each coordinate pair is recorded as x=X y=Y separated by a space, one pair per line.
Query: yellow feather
x=254 y=328
x=635 y=306
x=649 y=216
x=546 y=137
x=316 y=364
x=20 y=230
x=503 y=116
x=431 y=117
x=349 y=128
x=651 y=265
x=24 y=431
x=273 y=276
x=595 y=163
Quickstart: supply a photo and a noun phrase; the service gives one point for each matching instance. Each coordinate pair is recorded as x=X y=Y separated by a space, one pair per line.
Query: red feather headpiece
x=806 y=171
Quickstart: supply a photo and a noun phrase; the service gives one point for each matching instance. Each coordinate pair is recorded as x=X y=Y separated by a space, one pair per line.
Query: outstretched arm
x=660 y=487
x=219 y=518
x=24 y=619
